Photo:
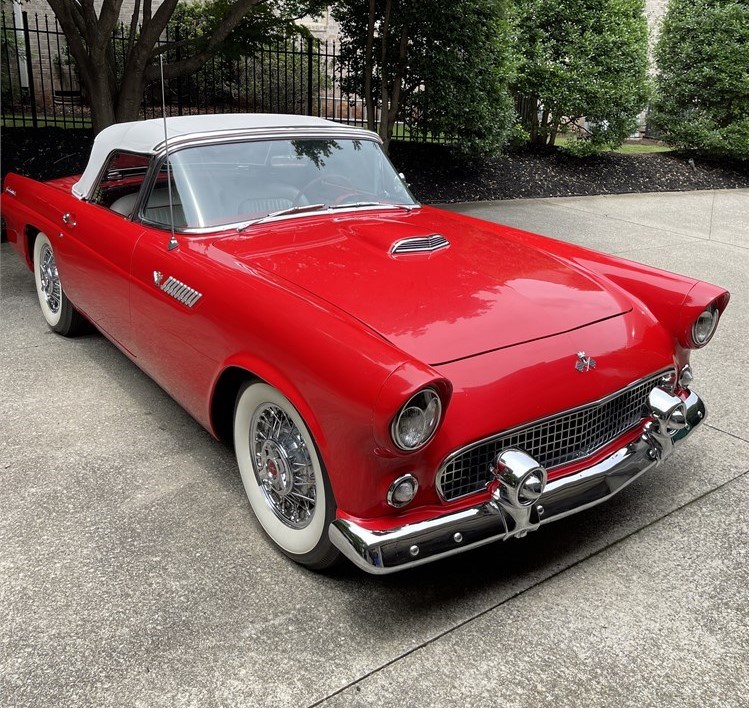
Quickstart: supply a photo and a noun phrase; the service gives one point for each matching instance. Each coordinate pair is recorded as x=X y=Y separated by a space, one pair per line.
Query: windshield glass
x=233 y=183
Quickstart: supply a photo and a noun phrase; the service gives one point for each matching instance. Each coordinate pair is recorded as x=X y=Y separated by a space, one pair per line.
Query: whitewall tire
x=283 y=476
x=58 y=311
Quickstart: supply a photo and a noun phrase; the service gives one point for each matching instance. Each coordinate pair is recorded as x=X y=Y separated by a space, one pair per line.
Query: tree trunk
x=102 y=106
x=533 y=120
x=130 y=97
x=382 y=128
x=543 y=134
x=397 y=96
x=89 y=35
x=369 y=103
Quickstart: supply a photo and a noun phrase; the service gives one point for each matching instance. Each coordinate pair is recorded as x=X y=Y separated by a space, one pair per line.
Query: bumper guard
x=511 y=514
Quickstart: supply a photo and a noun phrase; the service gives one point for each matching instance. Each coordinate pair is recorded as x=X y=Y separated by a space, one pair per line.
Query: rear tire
x=58 y=311
x=283 y=476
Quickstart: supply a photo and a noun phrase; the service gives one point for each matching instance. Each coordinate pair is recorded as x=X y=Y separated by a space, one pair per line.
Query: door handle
x=69 y=219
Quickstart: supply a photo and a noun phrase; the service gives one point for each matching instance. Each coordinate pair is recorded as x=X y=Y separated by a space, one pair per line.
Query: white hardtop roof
x=147 y=136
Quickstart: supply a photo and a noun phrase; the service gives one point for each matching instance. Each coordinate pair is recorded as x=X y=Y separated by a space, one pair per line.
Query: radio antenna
x=173 y=240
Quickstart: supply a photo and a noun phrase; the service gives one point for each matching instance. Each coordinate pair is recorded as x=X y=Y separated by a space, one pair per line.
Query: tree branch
x=77 y=47
x=133 y=28
x=110 y=13
x=193 y=63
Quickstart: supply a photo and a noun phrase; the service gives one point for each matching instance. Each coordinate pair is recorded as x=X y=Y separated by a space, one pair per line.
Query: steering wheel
x=328 y=180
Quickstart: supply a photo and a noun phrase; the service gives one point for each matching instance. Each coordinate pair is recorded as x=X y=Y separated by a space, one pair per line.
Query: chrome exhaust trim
x=512 y=513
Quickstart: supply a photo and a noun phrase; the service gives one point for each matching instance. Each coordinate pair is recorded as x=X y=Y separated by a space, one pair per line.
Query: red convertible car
x=400 y=383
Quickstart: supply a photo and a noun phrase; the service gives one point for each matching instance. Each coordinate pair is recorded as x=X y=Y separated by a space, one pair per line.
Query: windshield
x=231 y=183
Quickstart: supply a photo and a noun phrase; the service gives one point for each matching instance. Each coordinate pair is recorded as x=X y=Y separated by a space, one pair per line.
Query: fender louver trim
x=180 y=292
x=420 y=244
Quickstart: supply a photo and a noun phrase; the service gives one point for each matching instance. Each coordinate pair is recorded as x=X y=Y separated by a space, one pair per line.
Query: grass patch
x=633 y=148
x=637 y=149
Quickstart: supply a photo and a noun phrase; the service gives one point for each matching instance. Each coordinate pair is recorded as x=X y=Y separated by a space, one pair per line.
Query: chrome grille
x=552 y=442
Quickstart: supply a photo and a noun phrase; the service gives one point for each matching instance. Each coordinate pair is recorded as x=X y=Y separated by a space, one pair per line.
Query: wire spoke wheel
x=50 y=286
x=283 y=475
x=59 y=313
x=283 y=467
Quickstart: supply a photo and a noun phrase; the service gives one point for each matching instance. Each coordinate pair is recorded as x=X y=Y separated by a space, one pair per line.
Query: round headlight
x=704 y=326
x=417 y=421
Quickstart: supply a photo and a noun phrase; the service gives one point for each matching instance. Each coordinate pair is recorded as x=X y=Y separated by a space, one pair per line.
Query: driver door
x=99 y=242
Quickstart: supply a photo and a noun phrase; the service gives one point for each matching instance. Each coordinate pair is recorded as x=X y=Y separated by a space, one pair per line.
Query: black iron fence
x=41 y=87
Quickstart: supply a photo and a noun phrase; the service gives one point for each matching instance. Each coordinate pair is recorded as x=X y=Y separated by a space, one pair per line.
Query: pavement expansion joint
x=519 y=593
x=726 y=432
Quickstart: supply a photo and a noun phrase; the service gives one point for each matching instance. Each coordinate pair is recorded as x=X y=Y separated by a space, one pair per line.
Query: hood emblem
x=584 y=362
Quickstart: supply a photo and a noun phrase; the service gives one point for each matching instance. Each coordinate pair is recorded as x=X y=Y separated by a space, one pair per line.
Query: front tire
x=283 y=476
x=58 y=311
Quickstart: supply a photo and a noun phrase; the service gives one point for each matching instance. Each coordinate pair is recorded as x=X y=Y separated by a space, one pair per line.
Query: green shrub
x=702 y=55
x=580 y=147
x=583 y=64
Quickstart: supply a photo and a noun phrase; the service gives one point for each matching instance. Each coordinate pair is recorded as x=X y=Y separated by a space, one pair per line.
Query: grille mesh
x=552 y=442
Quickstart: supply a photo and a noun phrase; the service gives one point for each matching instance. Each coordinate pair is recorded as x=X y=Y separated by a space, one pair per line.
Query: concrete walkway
x=133 y=574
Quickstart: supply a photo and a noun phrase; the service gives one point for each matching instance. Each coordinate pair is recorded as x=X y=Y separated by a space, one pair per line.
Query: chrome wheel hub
x=283 y=466
x=275 y=464
x=49 y=280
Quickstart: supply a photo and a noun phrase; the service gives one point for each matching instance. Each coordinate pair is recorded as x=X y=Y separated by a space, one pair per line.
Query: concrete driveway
x=132 y=572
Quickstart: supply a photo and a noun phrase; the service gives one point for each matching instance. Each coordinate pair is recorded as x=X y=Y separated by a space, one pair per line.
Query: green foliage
x=584 y=63
x=454 y=68
x=518 y=137
x=8 y=49
x=267 y=22
x=261 y=66
x=702 y=55
x=581 y=147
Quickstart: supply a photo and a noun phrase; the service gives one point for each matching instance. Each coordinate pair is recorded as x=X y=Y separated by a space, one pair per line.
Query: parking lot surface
x=132 y=572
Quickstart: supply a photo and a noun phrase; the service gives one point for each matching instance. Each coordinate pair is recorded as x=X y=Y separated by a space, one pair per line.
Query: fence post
x=29 y=68
x=309 y=76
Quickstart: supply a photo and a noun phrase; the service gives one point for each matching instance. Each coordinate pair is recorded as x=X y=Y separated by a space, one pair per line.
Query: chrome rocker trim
x=506 y=515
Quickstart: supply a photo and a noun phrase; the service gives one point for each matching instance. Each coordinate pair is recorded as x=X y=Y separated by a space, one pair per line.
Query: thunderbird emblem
x=584 y=362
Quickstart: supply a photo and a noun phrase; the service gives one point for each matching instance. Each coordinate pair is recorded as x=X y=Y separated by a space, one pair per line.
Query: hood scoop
x=419 y=244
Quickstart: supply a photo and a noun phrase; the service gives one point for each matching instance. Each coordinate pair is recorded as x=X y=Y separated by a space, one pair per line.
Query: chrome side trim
x=181 y=292
x=338 y=130
x=419 y=244
x=391 y=550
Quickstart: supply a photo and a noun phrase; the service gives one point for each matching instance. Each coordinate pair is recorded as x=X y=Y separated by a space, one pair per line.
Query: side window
x=121 y=182
x=156 y=209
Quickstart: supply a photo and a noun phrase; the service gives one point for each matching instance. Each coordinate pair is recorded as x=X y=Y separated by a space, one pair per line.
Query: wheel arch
x=30 y=232
x=241 y=369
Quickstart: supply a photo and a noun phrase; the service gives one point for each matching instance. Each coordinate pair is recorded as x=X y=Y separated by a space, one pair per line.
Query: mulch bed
x=435 y=176
x=434 y=173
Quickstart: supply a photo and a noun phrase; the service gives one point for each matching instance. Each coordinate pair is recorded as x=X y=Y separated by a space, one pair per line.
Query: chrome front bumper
x=395 y=549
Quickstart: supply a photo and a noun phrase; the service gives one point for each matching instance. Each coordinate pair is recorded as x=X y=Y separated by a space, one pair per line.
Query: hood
x=484 y=291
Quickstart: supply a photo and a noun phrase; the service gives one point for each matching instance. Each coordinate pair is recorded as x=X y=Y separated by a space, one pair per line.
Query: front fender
x=256 y=367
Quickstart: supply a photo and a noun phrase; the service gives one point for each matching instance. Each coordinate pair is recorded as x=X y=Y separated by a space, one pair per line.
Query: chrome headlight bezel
x=705 y=325
x=392 y=495
x=430 y=408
